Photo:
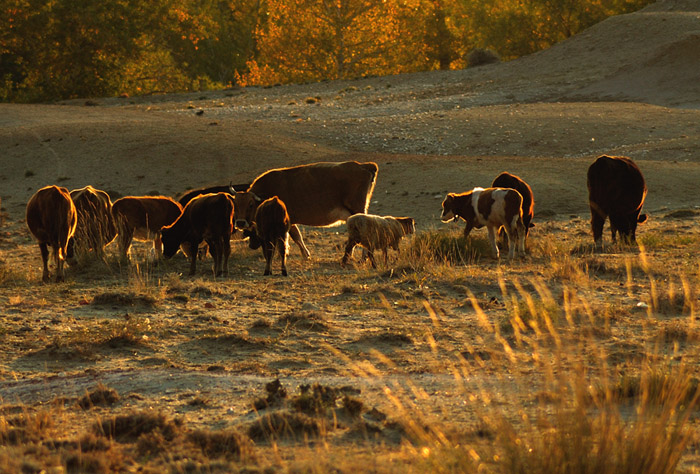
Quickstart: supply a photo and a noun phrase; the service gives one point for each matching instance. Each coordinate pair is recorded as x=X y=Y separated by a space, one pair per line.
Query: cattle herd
x=270 y=209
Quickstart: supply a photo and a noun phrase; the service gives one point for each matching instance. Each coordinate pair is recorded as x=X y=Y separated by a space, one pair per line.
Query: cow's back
x=319 y=194
x=94 y=208
x=272 y=219
x=616 y=185
x=211 y=213
x=146 y=212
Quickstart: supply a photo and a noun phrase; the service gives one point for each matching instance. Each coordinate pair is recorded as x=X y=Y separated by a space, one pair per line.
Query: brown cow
x=616 y=188
x=490 y=207
x=51 y=218
x=272 y=227
x=96 y=226
x=376 y=233
x=318 y=194
x=141 y=218
x=208 y=217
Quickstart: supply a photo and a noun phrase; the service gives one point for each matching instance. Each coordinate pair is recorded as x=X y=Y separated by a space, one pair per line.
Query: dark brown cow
x=490 y=207
x=318 y=194
x=616 y=189
x=272 y=227
x=209 y=218
x=141 y=218
x=507 y=180
x=96 y=226
x=51 y=218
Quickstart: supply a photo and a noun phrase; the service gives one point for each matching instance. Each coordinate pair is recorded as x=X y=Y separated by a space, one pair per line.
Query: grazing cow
x=187 y=196
x=376 y=233
x=96 y=226
x=507 y=180
x=209 y=218
x=616 y=188
x=490 y=207
x=51 y=218
x=272 y=227
x=318 y=194
x=141 y=218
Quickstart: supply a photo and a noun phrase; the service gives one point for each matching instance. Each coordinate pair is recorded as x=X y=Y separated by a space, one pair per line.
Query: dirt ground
x=627 y=86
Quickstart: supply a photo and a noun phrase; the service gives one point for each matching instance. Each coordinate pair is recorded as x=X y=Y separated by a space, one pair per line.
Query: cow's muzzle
x=242 y=224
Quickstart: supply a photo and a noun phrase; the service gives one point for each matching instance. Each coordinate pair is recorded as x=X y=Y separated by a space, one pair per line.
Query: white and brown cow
x=616 y=189
x=272 y=228
x=376 y=233
x=141 y=218
x=96 y=226
x=51 y=218
x=209 y=218
x=318 y=194
x=490 y=207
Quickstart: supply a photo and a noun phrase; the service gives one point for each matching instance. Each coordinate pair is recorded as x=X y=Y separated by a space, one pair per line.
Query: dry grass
x=447 y=361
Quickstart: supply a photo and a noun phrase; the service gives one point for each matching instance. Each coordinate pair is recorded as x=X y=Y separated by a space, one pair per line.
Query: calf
x=141 y=218
x=95 y=228
x=490 y=207
x=376 y=233
x=616 y=188
x=272 y=228
x=51 y=218
x=209 y=218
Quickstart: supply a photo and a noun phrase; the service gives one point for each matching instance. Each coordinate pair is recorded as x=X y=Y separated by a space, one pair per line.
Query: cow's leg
x=386 y=256
x=349 y=245
x=125 y=237
x=522 y=233
x=512 y=234
x=268 y=248
x=45 y=276
x=467 y=229
x=215 y=250
x=370 y=255
x=158 y=247
x=226 y=254
x=282 y=249
x=492 y=239
x=613 y=232
x=597 y=223
x=295 y=234
x=58 y=261
x=193 y=263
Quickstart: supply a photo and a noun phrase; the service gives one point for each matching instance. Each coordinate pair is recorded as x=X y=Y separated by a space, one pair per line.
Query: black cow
x=616 y=189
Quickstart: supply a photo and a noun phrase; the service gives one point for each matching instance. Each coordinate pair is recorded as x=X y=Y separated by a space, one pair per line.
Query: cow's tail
x=373 y=169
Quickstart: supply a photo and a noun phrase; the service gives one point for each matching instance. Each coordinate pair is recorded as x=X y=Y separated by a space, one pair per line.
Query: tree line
x=59 y=49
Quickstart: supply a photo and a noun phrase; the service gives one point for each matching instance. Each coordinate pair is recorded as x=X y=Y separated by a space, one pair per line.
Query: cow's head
x=408 y=224
x=245 y=205
x=171 y=243
x=626 y=225
x=448 y=213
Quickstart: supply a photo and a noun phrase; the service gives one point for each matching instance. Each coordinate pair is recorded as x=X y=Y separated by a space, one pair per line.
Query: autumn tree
x=306 y=40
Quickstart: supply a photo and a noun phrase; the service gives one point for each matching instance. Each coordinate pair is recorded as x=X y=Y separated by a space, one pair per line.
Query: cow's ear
x=642 y=218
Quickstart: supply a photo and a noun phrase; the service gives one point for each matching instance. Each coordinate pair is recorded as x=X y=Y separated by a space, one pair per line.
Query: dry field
x=444 y=361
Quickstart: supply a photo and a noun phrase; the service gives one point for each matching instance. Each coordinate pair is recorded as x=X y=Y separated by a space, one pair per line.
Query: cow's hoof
x=284 y=273
x=267 y=272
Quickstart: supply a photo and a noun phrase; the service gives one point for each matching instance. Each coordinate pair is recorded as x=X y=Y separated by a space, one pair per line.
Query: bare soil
x=203 y=349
